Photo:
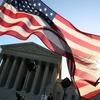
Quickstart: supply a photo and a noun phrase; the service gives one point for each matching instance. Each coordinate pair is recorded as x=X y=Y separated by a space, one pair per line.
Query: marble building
x=31 y=72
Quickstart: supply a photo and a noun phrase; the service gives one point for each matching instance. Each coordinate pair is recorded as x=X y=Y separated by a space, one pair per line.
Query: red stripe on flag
x=50 y=44
x=79 y=41
x=92 y=94
x=84 y=75
x=64 y=21
x=67 y=23
x=20 y=15
x=15 y=34
x=81 y=83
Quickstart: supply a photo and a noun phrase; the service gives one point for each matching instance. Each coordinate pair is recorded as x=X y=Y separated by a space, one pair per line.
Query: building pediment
x=30 y=50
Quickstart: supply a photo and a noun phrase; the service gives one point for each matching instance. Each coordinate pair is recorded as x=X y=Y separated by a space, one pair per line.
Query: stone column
x=1 y=62
x=26 y=80
x=29 y=80
x=0 y=49
x=54 y=76
x=0 y=57
x=49 y=88
x=11 y=72
x=36 y=77
x=44 y=78
x=4 y=70
x=20 y=71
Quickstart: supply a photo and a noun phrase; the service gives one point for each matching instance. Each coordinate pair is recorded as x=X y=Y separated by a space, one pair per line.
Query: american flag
x=21 y=25
x=60 y=36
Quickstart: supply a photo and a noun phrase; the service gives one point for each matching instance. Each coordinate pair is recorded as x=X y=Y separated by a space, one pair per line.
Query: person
x=50 y=97
x=44 y=97
x=65 y=83
x=19 y=97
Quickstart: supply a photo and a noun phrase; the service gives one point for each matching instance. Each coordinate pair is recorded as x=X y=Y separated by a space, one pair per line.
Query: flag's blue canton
x=36 y=7
x=24 y=6
x=43 y=8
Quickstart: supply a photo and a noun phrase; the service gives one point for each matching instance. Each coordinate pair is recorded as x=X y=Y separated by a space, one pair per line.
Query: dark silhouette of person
x=66 y=82
x=50 y=97
x=19 y=97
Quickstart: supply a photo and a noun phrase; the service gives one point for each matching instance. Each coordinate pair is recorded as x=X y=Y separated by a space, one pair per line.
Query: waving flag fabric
x=60 y=36
x=22 y=25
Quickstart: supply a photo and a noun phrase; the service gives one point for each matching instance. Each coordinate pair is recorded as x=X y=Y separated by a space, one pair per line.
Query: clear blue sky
x=83 y=14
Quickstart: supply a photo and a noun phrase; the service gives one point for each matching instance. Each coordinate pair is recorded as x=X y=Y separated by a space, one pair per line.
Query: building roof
x=31 y=50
